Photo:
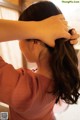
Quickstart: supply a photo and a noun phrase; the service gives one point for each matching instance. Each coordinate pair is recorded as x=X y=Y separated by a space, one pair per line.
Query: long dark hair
x=63 y=59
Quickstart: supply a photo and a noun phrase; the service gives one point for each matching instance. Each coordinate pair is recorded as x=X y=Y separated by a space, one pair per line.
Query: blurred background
x=11 y=9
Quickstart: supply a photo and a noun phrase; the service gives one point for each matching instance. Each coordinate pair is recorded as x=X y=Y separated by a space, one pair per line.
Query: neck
x=44 y=68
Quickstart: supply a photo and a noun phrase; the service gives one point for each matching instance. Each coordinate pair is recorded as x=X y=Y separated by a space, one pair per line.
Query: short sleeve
x=17 y=87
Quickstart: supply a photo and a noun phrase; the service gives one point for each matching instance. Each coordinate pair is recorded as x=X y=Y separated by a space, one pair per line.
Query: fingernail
x=73 y=31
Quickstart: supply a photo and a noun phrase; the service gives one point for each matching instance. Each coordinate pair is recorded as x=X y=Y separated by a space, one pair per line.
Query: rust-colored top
x=25 y=93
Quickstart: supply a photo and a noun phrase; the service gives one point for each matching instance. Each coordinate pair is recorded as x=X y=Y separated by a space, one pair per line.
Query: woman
x=31 y=96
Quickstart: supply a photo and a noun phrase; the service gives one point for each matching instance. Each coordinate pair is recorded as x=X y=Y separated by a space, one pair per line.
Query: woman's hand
x=53 y=28
x=74 y=37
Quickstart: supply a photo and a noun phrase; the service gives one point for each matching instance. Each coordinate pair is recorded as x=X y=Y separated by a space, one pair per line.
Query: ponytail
x=64 y=64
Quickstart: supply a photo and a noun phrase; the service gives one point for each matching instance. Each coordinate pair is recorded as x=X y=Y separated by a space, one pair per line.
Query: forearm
x=16 y=30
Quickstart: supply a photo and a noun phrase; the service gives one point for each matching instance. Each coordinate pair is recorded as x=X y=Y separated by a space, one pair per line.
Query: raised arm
x=11 y=30
x=14 y=30
x=47 y=30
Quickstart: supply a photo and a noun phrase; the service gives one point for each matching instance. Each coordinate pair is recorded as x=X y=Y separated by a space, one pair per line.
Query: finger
x=64 y=25
x=66 y=35
x=51 y=43
x=73 y=41
x=75 y=36
x=73 y=31
x=64 y=22
x=65 y=28
x=61 y=16
x=56 y=17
